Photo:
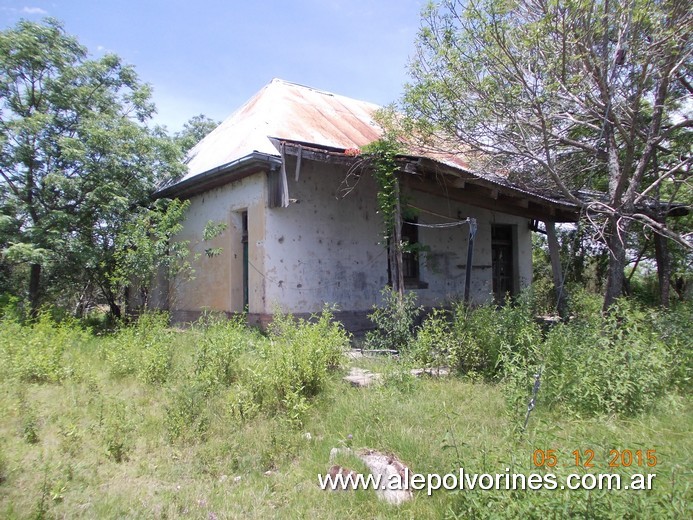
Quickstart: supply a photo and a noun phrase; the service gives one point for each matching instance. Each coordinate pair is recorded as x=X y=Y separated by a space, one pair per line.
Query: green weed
x=395 y=321
x=29 y=423
x=4 y=466
x=144 y=350
x=294 y=365
x=237 y=403
x=116 y=431
x=219 y=345
x=606 y=364
x=187 y=417
x=35 y=353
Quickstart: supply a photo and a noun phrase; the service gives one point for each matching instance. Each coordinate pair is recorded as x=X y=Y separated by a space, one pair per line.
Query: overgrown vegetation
x=222 y=421
x=78 y=164
x=589 y=99
x=395 y=320
x=621 y=362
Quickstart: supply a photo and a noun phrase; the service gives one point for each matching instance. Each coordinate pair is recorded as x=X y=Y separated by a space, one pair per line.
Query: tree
x=76 y=157
x=149 y=252
x=194 y=131
x=576 y=94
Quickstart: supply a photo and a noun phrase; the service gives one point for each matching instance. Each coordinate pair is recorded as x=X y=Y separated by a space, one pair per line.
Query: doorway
x=244 y=242
x=502 y=262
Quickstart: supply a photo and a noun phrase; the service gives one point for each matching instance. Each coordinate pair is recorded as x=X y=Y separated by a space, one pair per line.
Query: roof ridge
x=307 y=87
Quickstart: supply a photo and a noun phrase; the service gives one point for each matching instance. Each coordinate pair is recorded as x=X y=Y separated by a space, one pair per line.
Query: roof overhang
x=230 y=172
x=487 y=192
x=438 y=178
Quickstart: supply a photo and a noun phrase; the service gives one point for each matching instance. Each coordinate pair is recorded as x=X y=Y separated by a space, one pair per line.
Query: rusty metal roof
x=286 y=111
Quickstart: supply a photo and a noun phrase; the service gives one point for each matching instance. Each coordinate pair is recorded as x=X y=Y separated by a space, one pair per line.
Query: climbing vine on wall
x=378 y=159
x=380 y=156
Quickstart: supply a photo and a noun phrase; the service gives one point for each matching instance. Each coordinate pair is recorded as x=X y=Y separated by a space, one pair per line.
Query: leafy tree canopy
x=76 y=156
x=194 y=131
x=566 y=95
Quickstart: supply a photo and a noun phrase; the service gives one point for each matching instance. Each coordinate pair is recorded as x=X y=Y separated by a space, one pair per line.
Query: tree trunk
x=111 y=300
x=558 y=280
x=615 y=277
x=663 y=259
x=396 y=265
x=34 y=289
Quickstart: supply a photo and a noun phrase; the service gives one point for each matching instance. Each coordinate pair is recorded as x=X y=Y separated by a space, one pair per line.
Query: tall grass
x=620 y=362
x=237 y=424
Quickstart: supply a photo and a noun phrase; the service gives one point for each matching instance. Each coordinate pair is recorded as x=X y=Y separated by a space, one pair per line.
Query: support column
x=558 y=281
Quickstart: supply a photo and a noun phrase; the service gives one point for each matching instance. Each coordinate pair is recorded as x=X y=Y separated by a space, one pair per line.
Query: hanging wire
x=441 y=226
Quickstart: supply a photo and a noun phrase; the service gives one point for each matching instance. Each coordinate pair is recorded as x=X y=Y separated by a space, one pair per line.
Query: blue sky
x=208 y=57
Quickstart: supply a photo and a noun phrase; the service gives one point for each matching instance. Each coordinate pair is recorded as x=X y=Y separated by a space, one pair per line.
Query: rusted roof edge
x=220 y=175
x=331 y=154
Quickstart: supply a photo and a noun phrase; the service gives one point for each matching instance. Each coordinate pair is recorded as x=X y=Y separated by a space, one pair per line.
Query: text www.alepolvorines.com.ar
x=486 y=481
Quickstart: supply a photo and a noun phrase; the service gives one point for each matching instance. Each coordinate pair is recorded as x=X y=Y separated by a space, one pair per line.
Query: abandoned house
x=303 y=229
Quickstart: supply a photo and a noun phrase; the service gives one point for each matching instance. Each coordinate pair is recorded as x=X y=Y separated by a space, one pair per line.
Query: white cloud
x=34 y=10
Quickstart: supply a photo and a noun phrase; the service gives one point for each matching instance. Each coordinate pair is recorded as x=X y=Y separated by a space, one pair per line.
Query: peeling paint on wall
x=326 y=249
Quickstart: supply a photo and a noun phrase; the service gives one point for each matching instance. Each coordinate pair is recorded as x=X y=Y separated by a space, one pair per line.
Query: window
x=410 y=257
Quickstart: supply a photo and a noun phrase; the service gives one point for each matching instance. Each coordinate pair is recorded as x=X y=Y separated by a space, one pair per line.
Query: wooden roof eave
x=464 y=186
x=436 y=178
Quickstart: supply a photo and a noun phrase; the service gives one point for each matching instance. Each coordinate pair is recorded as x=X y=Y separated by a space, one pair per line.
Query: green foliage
x=70 y=438
x=76 y=155
x=380 y=156
x=549 y=94
x=241 y=403
x=144 y=349
x=88 y=424
x=296 y=362
x=35 y=353
x=146 y=244
x=252 y=374
x=395 y=320
x=147 y=247
x=194 y=130
x=221 y=342
x=29 y=422
x=476 y=340
x=616 y=363
x=621 y=363
x=210 y=232
x=398 y=377
x=674 y=329
x=116 y=431
x=3 y=465
x=187 y=413
x=434 y=341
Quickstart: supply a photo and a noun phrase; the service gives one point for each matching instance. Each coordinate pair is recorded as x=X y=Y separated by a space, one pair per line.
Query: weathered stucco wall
x=324 y=248
x=218 y=281
x=443 y=266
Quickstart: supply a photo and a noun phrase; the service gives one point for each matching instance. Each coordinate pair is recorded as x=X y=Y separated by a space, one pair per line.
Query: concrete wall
x=325 y=249
x=443 y=267
x=218 y=281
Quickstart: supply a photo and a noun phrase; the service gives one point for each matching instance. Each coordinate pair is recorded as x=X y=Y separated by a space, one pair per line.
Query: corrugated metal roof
x=285 y=110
